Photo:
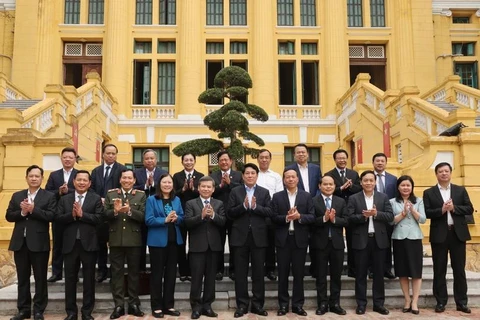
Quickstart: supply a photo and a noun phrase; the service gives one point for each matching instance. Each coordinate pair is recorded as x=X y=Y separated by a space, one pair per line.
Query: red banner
x=75 y=135
x=359 y=151
x=386 y=139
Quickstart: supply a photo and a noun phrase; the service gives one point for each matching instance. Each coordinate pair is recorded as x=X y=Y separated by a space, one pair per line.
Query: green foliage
x=228 y=122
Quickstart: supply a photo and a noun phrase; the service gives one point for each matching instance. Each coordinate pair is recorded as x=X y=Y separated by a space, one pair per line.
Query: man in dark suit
x=446 y=205
x=125 y=213
x=225 y=180
x=60 y=183
x=205 y=219
x=249 y=206
x=386 y=183
x=293 y=212
x=327 y=239
x=31 y=210
x=347 y=182
x=80 y=213
x=369 y=212
x=185 y=183
x=147 y=179
x=105 y=177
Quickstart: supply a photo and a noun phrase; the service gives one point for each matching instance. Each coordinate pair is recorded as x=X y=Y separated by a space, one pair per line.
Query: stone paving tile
x=450 y=313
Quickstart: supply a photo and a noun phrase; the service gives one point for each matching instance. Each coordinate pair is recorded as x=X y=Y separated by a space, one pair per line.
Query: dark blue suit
x=314 y=174
x=55 y=181
x=141 y=180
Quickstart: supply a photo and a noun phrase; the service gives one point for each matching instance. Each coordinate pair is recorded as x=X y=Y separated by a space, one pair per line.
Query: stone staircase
x=20 y=105
x=444 y=105
x=225 y=296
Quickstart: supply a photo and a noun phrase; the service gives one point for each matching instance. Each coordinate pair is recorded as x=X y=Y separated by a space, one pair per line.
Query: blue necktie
x=329 y=206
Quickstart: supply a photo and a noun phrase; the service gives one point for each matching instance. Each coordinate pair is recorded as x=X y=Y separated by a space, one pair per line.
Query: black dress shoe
x=259 y=311
x=38 y=316
x=360 y=310
x=219 y=276
x=21 y=315
x=381 y=310
x=172 y=312
x=71 y=317
x=271 y=275
x=463 y=308
x=232 y=276
x=351 y=274
x=439 y=308
x=338 y=310
x=133 y=309
x=240 y=312
x=209 y=313
x=54 y=278
x=158 y=314
x=299 y=311
x=415 y=312
x=185 y=278
x=389 y=275
x=117 y=312
x=321 y=310
x=87 y=317
x=195 y=315
x=101 y=276
x=370 y=275
x=282 y=311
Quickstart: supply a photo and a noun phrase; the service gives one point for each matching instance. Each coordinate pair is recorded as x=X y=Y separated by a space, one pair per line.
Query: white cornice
x=7 y=5
x=444 y=6
x=199 y=123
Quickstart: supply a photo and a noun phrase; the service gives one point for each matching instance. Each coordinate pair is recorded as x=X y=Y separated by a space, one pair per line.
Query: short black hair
x=300 y=145
x=34 y=166
x=206 y=179
x=82 y=171
x=443 y=164
x=339 y=151
x=326 y=175
x=288 y=169
x=69 y=149
x=265 y=150
x=379 y=154
x=221 y=153
x=109 y=145
x=189 y=153
x=158 y=194
x=364 y=173
x=127 y=170
x=250 y=165
x=412 y=198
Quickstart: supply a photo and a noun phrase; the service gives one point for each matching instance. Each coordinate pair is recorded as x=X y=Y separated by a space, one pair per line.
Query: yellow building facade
x=363 y=75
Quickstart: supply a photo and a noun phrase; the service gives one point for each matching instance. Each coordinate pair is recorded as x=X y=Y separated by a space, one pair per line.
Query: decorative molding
x=439 y=6
x=325 y=138
x=184 y=137
x=8 y=5
x=446 y=13
x=478 y=13
x=126 y=138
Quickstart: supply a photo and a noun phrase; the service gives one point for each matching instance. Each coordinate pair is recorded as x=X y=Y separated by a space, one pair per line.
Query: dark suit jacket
x=204 y=233
x=113 y=180
x=179 y=181
x=93 y=215
x=433 y=202
x=314 y=174
x=349 y=174
x=224 y=192
x=280 y=207
x=356 y=204
x=125 y=230
x=55 y=181
x=390 y=185
x=141 y=175
x=319 y=236
x=36 y=223
x=244 y=219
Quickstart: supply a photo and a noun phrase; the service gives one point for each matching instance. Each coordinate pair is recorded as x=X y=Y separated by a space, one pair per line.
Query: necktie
x=80 y=201
x=107 y=173
x=189 y=176
x=206 y=202
x=328 y=204
x=381 y=186
x=125 y=197
x=342 y=175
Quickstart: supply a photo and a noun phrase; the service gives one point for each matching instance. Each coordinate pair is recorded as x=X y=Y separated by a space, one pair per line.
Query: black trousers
x=183 y=266
x=203 y=266
x=73 y=260
x=57 y=255
x=102 y=235
x=242 y=258
x=143 y=252
x=231 y=261
x=362 y=257
x=270 y=251
x=329 y=258
x=388 y=251
x=25 y=261
x=118 y=255
x=164 y=269
x=294 y=257
x=457 y=260
x=350 y=253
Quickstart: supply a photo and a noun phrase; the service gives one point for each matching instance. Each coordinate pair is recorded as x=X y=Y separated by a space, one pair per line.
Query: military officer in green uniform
x=125 y=211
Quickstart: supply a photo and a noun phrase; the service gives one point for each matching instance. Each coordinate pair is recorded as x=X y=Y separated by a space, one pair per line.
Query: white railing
x=421 y=121
x=440 y=95
x=166 y=113
x=440 y=127
x=300 y=112
x=141 y=113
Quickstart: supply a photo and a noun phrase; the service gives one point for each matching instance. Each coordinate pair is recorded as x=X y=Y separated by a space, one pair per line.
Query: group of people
x=271 y=221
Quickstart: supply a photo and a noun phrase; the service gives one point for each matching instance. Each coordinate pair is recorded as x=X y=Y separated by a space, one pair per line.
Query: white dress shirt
x=66 y=175
x=446 y=195
x=270 y=180
x=292 y=196
x=304 y=174
x=369 y=202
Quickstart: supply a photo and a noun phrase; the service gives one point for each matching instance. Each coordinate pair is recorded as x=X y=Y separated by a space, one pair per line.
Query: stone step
x=228 y=285
x=226 y=300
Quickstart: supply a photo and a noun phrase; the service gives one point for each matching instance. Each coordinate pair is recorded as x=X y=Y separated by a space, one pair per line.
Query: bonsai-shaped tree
x=230 y=120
